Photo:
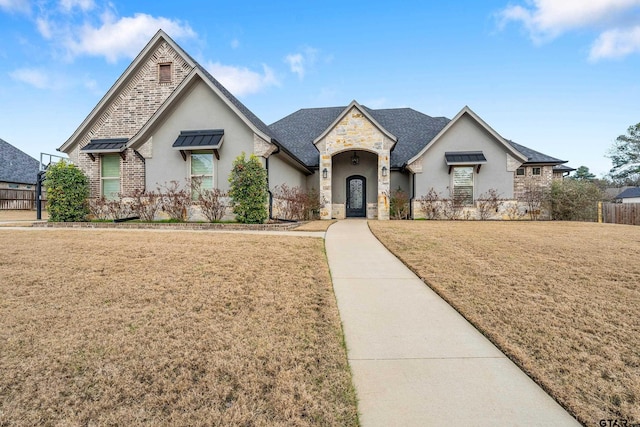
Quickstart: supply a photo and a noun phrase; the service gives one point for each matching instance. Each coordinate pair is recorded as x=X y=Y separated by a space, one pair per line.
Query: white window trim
x=213 y=166
x=473 y=182
x=533 y=170
x=103 y=178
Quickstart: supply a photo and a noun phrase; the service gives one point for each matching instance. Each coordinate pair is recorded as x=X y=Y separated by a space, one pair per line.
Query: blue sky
x=561 y=77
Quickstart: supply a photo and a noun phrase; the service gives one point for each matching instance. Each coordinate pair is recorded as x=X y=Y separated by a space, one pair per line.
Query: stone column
x=383 y=185
x=325 y=187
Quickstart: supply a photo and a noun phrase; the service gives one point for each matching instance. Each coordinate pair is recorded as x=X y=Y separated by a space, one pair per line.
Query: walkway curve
x=415 y=360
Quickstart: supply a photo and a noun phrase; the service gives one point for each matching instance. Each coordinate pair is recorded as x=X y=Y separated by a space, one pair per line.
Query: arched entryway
x=356 y=197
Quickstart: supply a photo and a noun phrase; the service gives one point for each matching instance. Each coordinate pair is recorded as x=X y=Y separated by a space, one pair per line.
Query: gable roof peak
x=366 y=112
x=159 y=37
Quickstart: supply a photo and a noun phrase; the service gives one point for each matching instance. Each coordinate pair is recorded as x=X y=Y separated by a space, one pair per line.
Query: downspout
x=413 y=194
x=266 y=164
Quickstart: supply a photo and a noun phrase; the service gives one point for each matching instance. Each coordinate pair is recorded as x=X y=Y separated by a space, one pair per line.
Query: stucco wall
x=200 y=109
x=466 y=135
x=402 y=180
x=282 y=171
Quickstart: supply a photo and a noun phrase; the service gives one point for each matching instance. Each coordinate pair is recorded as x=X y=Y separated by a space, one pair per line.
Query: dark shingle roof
x=297 y=131
x=534 y=156
x=262 y=127
x=199 y=138
x=629 y=192
x=16 y=166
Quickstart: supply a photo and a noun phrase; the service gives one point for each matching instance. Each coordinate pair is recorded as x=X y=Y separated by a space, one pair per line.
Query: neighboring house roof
x=534 y=156
x=16 y=166
x=629 y=193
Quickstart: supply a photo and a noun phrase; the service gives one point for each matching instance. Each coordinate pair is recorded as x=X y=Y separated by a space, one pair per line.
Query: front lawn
x=562 y=299
x=169 y=328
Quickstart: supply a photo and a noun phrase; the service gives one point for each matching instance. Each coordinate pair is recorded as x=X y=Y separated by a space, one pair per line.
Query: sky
x=560 y=77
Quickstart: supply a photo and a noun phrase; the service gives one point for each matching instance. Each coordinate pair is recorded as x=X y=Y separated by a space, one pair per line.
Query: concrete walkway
x=415 y=360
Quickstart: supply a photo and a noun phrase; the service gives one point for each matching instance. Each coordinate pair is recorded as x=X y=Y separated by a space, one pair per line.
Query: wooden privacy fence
x=621 y=213
x=19 y=199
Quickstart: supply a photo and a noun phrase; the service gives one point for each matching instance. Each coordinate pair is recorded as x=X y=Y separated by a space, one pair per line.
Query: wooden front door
x=356 y=196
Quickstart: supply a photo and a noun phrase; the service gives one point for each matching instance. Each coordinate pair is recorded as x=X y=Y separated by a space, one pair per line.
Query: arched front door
x=356 y=196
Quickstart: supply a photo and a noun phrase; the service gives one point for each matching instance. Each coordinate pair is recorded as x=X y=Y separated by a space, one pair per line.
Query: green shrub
x=67 y=193
x=574 y=200
x=248 y=190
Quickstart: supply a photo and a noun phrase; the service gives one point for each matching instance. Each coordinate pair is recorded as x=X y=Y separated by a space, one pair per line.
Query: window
x=520 y=172
x=535 y=171
x=463 y=184
x=14 y=186
x=110 y=176
x=164 y=73
x=201 y=172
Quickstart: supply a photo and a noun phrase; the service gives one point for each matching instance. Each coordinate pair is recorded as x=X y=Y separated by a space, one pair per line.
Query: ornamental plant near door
x=248 y=190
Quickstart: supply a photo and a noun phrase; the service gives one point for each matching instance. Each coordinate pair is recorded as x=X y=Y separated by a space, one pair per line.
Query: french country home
x=167 y=119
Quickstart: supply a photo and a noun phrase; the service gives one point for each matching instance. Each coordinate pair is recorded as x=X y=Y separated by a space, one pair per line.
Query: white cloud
x=616 y=44
x=296 y=63
x=241 y=80
x=32 y=76
x=545 y=20
x=44 y=28
x=84 y=5
x=300 y=62
x=123 y=37
x=23 y=6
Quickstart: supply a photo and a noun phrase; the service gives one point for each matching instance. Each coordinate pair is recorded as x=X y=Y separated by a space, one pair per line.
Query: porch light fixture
x=355 y=159
x=324 y=173
x=384 y=171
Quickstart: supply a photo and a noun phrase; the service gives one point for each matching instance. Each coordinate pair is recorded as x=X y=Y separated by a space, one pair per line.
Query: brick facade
x=522 y=182
x=139 y=98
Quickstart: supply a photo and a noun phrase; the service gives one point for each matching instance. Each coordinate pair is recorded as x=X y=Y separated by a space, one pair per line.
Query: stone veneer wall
x=354 y=132
x=130 y=109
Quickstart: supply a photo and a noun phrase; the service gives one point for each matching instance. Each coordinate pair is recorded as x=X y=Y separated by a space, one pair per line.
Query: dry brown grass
x=153 y=328
x=561 y=299
x=11 y=215
x=321 y=225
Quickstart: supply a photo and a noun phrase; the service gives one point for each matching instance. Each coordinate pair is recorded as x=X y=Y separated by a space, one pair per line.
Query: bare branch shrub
x=145 y=204
x=514 y=212
x=430 y=204
x=399 y=204
x=211 y=201
x=534 y=197
x=488 y=204
x=175 y=200
x=453 y=208
x=294 y=203
x=98 y=209
x=103 y=209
